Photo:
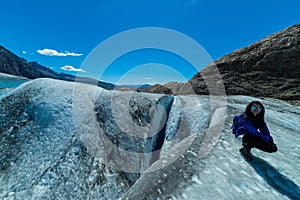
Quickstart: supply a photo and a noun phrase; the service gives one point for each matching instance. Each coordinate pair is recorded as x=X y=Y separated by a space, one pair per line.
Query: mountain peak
x=276 y=55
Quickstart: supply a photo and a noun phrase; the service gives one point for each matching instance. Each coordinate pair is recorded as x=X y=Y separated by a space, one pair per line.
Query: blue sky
x=61 y=34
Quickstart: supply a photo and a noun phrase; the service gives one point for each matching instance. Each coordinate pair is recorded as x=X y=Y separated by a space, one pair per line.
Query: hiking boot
x=246 y=153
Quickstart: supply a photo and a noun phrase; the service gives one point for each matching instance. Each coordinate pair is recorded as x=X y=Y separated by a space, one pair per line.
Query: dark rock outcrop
x=267 y=68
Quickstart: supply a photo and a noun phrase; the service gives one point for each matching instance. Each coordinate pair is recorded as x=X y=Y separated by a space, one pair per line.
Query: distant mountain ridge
x=267 y=68
x=14 y=65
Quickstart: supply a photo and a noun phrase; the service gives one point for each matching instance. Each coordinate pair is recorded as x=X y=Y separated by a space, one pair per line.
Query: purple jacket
x=242 y=125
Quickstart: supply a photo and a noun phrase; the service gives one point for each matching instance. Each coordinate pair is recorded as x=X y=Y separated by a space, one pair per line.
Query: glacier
x=63 y=140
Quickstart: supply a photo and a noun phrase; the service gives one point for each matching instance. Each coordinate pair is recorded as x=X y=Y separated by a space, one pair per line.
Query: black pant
x=253 y=141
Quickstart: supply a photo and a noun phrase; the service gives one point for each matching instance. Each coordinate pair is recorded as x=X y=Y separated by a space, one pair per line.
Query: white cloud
x=71 y=69
x=24 y=52
x=52 y=52
x=147 y=78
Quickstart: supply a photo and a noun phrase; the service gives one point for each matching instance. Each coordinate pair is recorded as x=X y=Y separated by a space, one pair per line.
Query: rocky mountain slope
x=267 y=68
x=14 y=65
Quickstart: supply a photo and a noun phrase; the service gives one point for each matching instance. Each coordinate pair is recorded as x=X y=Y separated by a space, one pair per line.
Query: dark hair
x=258 y=121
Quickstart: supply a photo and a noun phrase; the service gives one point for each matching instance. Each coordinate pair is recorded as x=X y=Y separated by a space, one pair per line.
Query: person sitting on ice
x=252 y=128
